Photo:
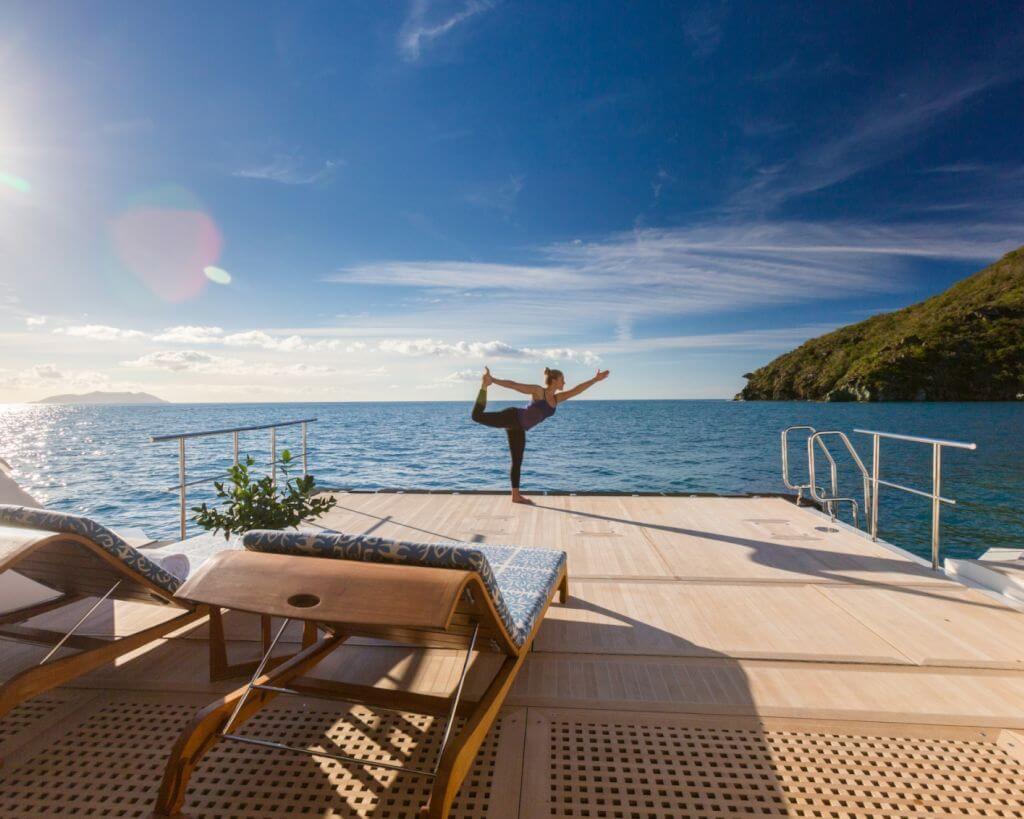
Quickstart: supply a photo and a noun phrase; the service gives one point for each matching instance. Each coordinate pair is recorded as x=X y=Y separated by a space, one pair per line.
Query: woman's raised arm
x=565 y=396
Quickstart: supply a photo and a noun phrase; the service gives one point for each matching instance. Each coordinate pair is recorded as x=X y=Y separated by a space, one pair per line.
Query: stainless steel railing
x=935 y=495
x=872 y=481
x=816 y=441
x=182 y=437
x=799 y=487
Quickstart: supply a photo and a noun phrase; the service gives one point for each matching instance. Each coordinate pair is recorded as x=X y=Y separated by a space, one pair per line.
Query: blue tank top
x=535 y=412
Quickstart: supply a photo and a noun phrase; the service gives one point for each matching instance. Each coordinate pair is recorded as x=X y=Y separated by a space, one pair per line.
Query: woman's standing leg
x=516 y=448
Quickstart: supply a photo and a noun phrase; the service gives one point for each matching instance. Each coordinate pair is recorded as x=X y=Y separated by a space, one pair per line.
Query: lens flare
x=168 y=242
x=15 y=182
x=217 y=275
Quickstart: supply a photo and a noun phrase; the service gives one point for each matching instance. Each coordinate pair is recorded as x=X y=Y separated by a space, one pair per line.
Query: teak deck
x=718 y=657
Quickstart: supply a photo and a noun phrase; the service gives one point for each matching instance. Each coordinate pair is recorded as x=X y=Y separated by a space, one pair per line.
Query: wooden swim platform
x=718 y=656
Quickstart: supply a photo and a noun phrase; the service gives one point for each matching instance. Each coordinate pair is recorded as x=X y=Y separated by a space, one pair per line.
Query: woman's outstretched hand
x=488 y=379
x=602 y=375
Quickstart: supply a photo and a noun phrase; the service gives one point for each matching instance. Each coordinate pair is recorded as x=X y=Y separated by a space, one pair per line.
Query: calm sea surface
x=99 y=461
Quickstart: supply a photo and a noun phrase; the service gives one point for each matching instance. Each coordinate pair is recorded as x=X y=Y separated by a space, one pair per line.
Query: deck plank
x=702 y=620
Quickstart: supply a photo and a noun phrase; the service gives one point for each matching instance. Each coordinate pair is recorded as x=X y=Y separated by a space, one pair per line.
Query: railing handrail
x=918 y=439
x=831 y=503
x=874 y=482
x=183 y=435
x=799 y=487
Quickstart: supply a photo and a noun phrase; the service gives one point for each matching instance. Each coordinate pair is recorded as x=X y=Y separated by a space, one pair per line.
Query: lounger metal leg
x=206 y=728
x=81 y=620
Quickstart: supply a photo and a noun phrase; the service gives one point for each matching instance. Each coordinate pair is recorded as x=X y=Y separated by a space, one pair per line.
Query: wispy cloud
x=702 y=27
x=190 y=334
x=502 y=197
x=661 y=178
x=209 y=335
x=49 y=378
x=782 y=338
x=888 y=129
x=423 y=347
x=422 y=27
x=100 y=332
x=199 y=361
x=288 y=169
x=692 y=270
x=35 y=321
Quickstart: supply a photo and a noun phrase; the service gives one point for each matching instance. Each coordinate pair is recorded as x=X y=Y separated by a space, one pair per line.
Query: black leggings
x=508 y=420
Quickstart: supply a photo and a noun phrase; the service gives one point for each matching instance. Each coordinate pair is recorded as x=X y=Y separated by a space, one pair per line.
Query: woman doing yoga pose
x=515 y=421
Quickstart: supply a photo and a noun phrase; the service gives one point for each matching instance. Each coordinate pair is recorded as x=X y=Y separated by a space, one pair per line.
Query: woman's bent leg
x=502 y=419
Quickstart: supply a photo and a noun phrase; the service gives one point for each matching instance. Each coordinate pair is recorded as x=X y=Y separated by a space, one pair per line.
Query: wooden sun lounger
x=80 y=559
x=337 y=599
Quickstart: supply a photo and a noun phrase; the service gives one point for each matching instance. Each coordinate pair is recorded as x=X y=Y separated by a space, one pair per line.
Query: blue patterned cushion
x=25 y=517
x=520 y=580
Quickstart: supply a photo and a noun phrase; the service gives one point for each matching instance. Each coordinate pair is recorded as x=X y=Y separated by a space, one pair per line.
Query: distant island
x=966 y=344
x=104 y=398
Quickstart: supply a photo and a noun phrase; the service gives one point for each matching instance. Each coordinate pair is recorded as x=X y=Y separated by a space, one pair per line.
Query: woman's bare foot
x=518 y=498
x=487 y=379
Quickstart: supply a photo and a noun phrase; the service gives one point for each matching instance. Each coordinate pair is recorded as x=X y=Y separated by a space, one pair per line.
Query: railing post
x=236 y=447
x=181 y=484
x=875 y=454
x=305 y=451
x=936 y=503
x=273 y=455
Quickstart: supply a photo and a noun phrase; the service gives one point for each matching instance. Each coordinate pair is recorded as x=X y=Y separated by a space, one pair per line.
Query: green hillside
x=966 y=344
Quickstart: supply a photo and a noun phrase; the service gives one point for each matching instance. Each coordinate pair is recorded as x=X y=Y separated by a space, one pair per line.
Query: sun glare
x=169 y=243
x=217 y=275
x=15 y=182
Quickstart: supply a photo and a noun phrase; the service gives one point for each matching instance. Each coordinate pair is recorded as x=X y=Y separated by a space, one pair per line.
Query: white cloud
x=190 y=334
x=45 y=372
x=52 y=379
x=423 y=347
x=35 y=321
x=287 y=169
x=100 y=332
x=417 y=31
x=288 y=344
x=461 y=377
x=183 y=360
x=199 y=361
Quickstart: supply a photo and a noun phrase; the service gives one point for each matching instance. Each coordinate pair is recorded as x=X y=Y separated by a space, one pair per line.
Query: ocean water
x=98 y=460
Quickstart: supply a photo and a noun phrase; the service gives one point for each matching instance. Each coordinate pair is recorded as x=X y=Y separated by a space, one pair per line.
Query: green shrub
x=253 y=503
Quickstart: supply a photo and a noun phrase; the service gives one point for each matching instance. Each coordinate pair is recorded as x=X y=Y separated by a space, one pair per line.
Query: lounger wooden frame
x=77 y=569
x=337 y=600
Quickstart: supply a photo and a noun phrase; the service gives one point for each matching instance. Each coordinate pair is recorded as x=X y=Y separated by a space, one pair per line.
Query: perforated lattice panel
x=111 y=764
x=633 y=771
x=27 y=716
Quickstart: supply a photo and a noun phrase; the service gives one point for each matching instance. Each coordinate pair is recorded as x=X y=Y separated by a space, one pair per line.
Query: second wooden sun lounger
x=474 y=596
x=78 y=559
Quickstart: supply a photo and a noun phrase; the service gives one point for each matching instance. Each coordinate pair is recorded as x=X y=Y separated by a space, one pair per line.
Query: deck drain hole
x=303 y=601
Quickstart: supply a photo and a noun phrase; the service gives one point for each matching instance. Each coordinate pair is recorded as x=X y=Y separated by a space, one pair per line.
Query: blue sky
x=400 y=193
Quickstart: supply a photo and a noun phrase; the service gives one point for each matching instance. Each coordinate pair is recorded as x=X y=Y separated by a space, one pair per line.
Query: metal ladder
x=872 y=481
